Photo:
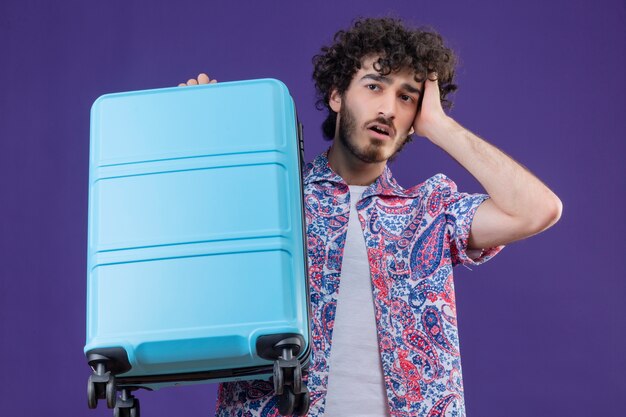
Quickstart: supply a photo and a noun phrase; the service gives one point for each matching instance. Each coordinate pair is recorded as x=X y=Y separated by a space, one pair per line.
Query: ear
x=334 y=100
x=411 y=131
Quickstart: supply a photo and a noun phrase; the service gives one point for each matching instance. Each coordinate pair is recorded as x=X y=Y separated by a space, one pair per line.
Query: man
x=391 y=322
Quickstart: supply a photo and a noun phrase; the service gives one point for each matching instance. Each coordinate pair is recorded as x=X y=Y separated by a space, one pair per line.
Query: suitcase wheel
x=126 y=405
x=279 y=380
x=127 y=412
x=101 y=385
x=294 y=404
x=286 y=402
x=296 y=382
x=287 y=371
x=92 y=396
x=293 y=395
x=302 y=404
x=111 y=392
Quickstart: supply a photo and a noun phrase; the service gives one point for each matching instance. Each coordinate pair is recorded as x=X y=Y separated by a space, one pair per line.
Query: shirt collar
x=320 y=171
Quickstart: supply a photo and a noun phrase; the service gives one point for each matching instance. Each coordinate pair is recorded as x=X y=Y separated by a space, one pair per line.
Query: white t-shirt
x=355 y=382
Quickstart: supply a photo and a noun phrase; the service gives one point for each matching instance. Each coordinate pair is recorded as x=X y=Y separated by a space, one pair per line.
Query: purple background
x=542 y=325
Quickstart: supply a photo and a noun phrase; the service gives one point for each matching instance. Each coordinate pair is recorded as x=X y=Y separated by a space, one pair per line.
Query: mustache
x=383 y=121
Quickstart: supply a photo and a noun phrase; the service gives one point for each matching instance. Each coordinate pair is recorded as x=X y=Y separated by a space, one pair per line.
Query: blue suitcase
x=196 y=261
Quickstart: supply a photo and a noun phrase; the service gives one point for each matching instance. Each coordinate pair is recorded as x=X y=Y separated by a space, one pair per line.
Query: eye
x=373 y=87
x=406 y=98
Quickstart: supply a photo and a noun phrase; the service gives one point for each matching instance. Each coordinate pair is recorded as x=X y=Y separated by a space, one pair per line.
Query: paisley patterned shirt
x=413 y=238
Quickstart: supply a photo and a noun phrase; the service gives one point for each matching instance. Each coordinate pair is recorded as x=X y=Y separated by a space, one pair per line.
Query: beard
x=372 y=152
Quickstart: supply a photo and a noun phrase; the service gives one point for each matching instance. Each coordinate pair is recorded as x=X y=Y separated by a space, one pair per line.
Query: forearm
x=512 y=188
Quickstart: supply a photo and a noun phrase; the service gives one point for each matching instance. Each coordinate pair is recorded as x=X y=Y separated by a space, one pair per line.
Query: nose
x=387 y=106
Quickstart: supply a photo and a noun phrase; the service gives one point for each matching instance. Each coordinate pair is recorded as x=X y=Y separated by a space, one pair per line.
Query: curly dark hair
x=398 y=47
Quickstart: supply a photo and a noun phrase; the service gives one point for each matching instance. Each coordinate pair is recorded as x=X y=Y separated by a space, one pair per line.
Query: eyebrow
x=386 y=80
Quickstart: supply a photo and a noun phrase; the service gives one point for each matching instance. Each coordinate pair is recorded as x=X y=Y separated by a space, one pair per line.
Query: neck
x=351 y=169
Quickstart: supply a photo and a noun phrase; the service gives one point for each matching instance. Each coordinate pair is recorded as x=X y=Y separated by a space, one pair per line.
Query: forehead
x=404 y=75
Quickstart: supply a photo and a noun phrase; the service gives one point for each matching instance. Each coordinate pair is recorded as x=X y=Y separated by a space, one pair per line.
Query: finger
x=192 y=81
x=433 y=76
x=213 y=82
x=182 y=85
x=203 y=78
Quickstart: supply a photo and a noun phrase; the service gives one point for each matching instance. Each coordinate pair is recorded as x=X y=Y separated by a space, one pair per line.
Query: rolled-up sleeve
x=460 y=209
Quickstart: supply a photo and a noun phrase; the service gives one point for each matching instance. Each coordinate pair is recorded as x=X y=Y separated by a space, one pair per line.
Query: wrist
x=443 y=130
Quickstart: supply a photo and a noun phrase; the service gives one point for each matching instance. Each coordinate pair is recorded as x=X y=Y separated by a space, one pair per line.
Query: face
x=376 y=112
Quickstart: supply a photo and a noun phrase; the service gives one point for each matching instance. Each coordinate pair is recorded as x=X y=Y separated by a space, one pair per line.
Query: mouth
x=381 y=131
